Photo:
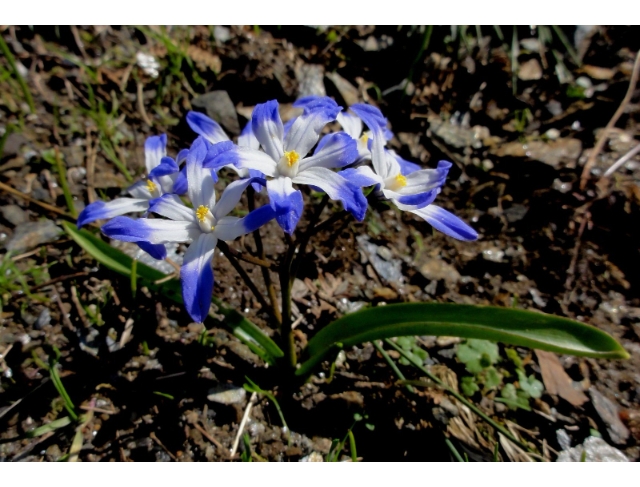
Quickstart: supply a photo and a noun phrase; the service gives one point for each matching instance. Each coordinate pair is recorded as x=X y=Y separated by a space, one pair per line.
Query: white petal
x=155 y=148
x=351 y=124
x=172 y=207
x=100 y=210
x=154 y=231
x=139 y=190
x=246 y=158
x=267 y=127
x=305 y=131
x=230 y=198
x=334 y=150
x=200 y=180
x=446 y=222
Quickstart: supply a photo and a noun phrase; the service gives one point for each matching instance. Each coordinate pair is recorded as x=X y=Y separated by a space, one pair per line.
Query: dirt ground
x=518 y=115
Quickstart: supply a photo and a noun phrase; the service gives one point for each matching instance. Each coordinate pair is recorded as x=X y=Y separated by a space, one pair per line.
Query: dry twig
x=243 y=423
x=584 y=177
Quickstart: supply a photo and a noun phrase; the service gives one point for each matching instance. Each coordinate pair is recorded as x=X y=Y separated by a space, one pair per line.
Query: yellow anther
x=401 y=180
x=364 y=138
x=292 y=157
x=151 y=186
x=201 y=213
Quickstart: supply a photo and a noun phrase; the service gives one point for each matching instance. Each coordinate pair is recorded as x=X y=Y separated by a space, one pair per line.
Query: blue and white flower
x=214 y=134
x=141 y=192
x=285 y=160
x=203 y=225
x=405 y=184
x=163 y=177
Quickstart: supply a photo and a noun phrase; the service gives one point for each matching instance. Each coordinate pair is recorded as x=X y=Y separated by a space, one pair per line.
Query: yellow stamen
x=292 y=157
x=401 y=180
x=364 y=138
x=151 y=186
x=201 y=213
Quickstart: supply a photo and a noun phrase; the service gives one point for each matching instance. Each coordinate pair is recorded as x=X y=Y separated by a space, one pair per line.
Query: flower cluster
x=276 y=156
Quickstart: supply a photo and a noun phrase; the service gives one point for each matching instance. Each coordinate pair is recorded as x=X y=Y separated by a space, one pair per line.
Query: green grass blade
x=12 y=65
x=567 y=44
x=121 y=263
x=62 y=173
x=134 y=278
x=52 y=426
x=453 y=450
x=511 y=326
x=253 y=387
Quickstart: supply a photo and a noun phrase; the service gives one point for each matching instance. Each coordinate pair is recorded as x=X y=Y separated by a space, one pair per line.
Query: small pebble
x=226 y=394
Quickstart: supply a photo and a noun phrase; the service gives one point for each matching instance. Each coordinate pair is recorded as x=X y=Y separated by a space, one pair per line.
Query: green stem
x=391 y=363
x=458 y=396
x=57 y=382
x=12 y=64
x=454 y=450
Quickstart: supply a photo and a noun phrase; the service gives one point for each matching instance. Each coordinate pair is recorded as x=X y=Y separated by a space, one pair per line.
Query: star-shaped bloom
x=214 y=134
x=162 y=178
x=203 y=225
x=285 y=159
x=406 y=185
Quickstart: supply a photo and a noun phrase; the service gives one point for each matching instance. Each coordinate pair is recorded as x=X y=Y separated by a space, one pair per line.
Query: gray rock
x=563 y=439
x=530 y=70
x=609 y=413
x=493 y=254
x=314 y=456
x=226 y=394
x=554 y=152
x=346 y=89
x=218 y=106
x=515 y=213
x=436 y=269
x=310 y=80
x=594 y=449
x=29 y=235
x=14 y=214
x=13 y=144
x=43 y=320
x=390 y=271
x=221 y=34
x=457 y=135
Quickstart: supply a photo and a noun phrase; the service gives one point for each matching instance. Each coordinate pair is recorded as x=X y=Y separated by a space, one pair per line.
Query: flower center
x=364 y=138
x=288 y=164
x=201 y=213
x=394 y=183
x=205 y=219
x=292 y=157
x=151 y=186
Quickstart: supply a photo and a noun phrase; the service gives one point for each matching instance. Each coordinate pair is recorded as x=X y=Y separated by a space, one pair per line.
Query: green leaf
x=512 y=398
x=493 y=378
x=466 y=353
x=468 y=385
x=512 y=354
x=530 y=385
x=515 y=327
x=121 y=263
